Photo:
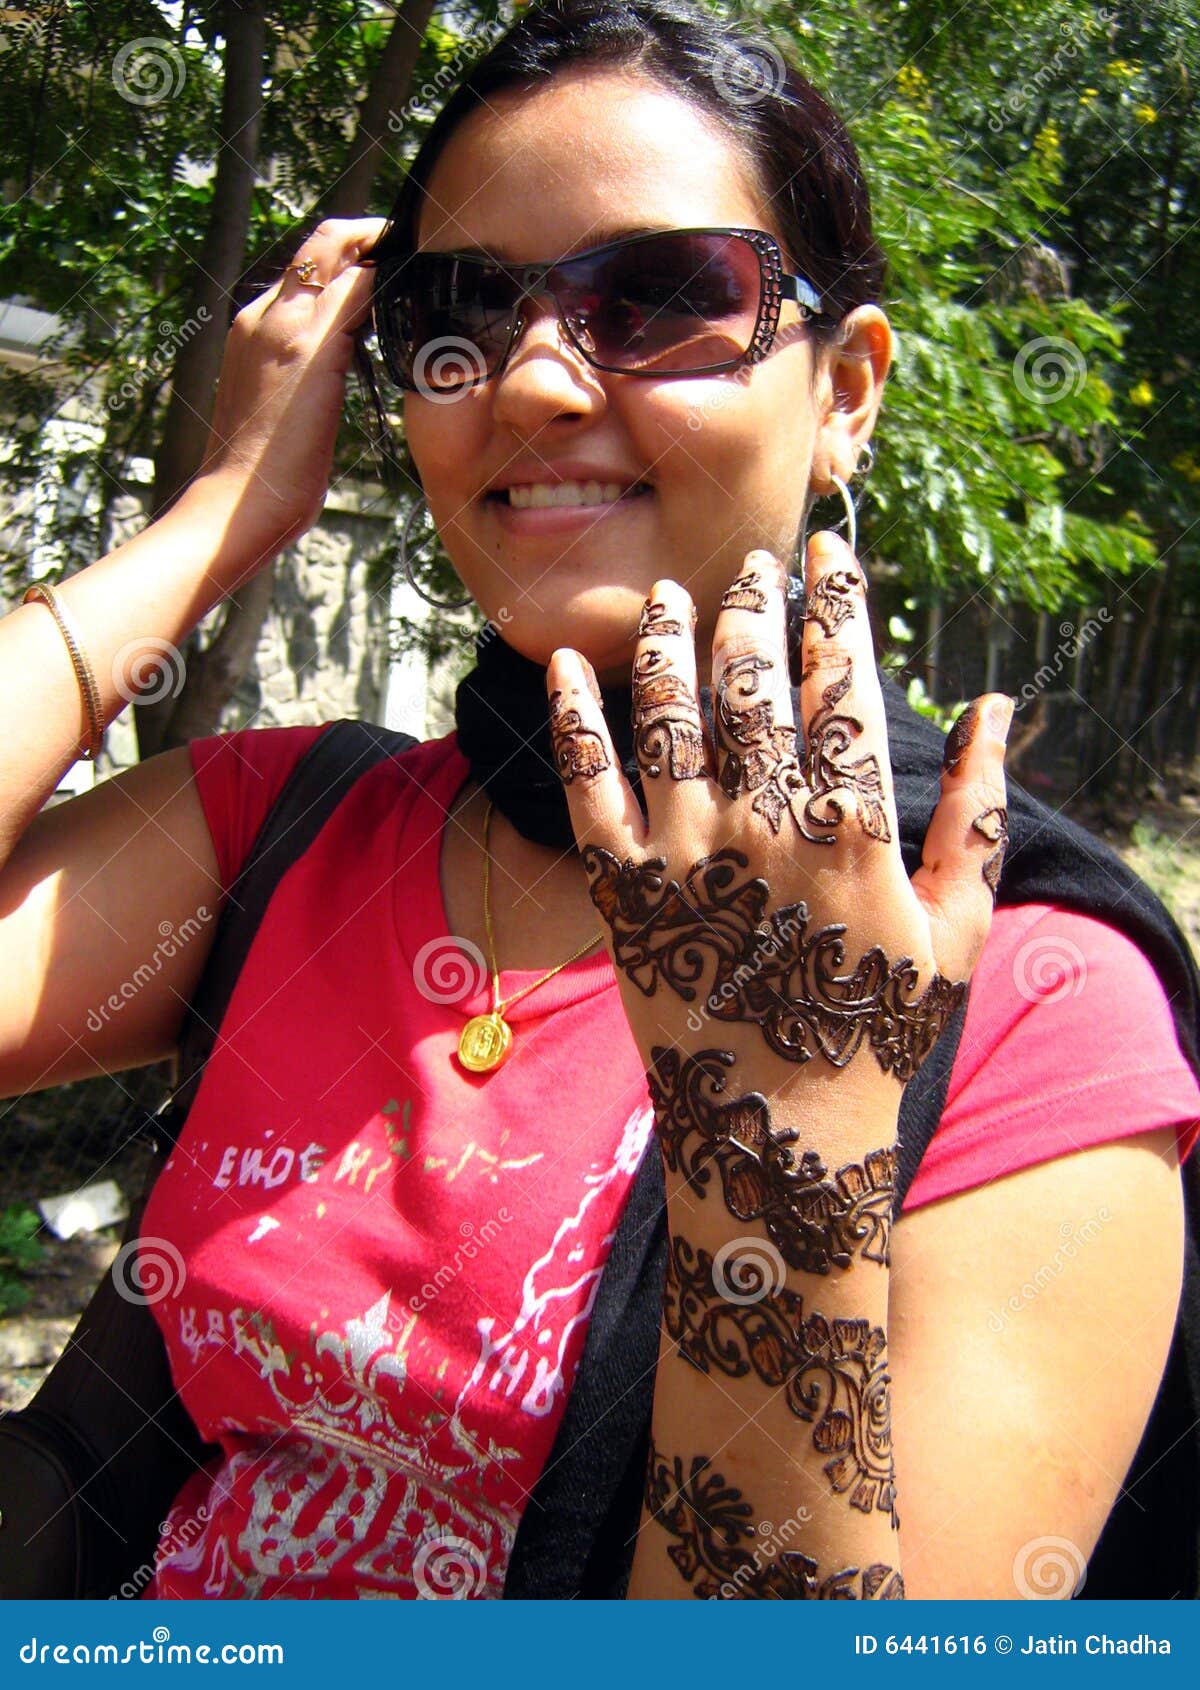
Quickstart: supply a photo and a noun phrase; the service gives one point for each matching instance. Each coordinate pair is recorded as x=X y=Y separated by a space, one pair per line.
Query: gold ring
x=305 y=271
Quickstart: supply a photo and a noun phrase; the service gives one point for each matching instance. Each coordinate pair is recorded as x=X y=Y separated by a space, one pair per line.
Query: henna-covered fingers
x=669 y=733
x=757 y=752
x=716 y=1542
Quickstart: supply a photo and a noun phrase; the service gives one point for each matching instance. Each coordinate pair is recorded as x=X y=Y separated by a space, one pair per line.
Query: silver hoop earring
x=406 y=563
x=862 y=469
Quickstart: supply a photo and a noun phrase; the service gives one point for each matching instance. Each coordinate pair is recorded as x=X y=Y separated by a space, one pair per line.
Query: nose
x=543 y=366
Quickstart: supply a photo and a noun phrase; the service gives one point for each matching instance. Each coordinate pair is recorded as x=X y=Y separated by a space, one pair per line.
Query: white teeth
x=542 y=495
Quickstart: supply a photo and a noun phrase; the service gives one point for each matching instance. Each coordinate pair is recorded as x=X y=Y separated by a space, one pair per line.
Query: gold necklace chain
x=486 y=1040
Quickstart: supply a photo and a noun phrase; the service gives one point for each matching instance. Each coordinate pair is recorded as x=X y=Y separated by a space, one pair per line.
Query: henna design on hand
x=834 y=1373
x=654 y=620
x=745 y=593
x=958 y=740
x=993 y=825
x=831 y=736
x=815 y=1222
x=769 y=968
x=831 y=601
x=666 y=719
x=577 y=750
x=711 y=1522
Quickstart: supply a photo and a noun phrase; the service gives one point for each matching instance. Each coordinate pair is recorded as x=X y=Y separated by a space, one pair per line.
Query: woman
x=392 y=1205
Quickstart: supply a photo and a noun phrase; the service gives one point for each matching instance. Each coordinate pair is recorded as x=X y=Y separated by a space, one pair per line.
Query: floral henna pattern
x=833 y=1372
x=745 y=593
x=817 y=1223
x=993 y=825
x=577 y=750
x=666 y=720
x=830 y=738
x=831 y=601
x=769 y=968
x=758 y=756
x=655 y=621
x=715 y=1538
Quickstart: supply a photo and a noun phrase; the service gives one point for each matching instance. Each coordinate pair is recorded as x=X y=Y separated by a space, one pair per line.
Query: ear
x=854 y=369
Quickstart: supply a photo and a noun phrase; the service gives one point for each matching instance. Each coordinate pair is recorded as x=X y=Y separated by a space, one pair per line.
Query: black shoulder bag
x=90 y=1468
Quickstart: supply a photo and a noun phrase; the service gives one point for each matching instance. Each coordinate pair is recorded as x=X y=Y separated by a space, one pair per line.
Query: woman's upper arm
x=108 y=907
x=1015 y=1309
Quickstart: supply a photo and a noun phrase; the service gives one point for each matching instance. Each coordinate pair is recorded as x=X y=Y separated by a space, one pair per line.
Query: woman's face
x=728 y=458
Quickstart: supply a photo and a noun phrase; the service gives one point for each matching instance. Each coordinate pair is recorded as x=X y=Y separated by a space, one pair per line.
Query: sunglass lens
x=447 y=323
x=672 y=304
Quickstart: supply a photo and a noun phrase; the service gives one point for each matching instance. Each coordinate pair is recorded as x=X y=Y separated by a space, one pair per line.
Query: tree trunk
x=213 y=674
x=198 y=364
x=350 y=195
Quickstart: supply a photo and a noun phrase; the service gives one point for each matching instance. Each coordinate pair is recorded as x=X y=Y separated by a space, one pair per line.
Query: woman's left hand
x=768 y=888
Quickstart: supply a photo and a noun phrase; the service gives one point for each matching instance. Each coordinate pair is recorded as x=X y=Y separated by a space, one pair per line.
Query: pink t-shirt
x=378 y=1268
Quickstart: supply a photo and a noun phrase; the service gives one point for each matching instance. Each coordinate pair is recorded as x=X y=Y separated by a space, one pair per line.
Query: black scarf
x=576 y=1535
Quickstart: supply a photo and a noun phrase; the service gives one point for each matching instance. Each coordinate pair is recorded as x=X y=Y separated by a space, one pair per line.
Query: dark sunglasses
x=675 y=302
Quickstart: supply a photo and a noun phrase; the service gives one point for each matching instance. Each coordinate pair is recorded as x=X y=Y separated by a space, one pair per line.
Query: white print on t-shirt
x=252 y=1170
x=530 y=1353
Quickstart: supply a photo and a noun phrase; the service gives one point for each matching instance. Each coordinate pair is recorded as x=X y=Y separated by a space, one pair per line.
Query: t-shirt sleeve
x=239 y=776
x=1068 y=1042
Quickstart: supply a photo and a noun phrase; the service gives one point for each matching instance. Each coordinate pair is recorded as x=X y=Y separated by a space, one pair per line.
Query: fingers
x=848 y=790
x=603 y=808
x=964 y=846
x=752 y=700
x=334 y=282
x=669 y=734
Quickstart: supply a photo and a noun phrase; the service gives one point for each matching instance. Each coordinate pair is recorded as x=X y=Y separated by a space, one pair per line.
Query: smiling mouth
x=567 y=495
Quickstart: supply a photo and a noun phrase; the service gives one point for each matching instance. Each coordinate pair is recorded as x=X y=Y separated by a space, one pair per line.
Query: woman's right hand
x=282 y=388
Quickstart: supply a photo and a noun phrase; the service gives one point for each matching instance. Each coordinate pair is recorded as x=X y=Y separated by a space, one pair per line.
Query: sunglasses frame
x=775 y=285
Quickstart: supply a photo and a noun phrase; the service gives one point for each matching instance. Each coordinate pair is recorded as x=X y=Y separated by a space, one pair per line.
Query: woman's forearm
x=128 y=609
x=771 y=1471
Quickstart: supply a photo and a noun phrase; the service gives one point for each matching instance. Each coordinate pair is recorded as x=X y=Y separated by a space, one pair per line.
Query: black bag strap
x=321 y=778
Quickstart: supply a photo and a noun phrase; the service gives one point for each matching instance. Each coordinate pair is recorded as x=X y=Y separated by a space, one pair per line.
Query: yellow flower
x=912 y=83
x=1146 y=114
x=1142 y=394
x=1046 y=140
x=1186 y=465
x=1122 y=67
x=1088 y=95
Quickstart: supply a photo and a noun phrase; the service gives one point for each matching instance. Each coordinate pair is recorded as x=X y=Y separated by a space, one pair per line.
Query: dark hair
x=804 y=156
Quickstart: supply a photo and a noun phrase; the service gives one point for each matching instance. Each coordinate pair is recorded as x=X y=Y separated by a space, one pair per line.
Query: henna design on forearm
x=769 y=968
x=745 y=593
x=958 y=740
x=834 y=1373
x=655 y=621
x=993 y=825
x=711 y=1522
x=831 y=600
x=816 y=1223
x=577 y=750
x=666 y=719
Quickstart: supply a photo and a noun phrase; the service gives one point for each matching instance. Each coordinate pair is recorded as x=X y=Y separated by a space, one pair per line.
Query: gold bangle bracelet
x=83 y=672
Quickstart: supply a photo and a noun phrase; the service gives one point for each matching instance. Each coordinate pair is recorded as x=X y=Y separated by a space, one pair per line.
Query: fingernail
x=999 y=716
x=825 y=545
